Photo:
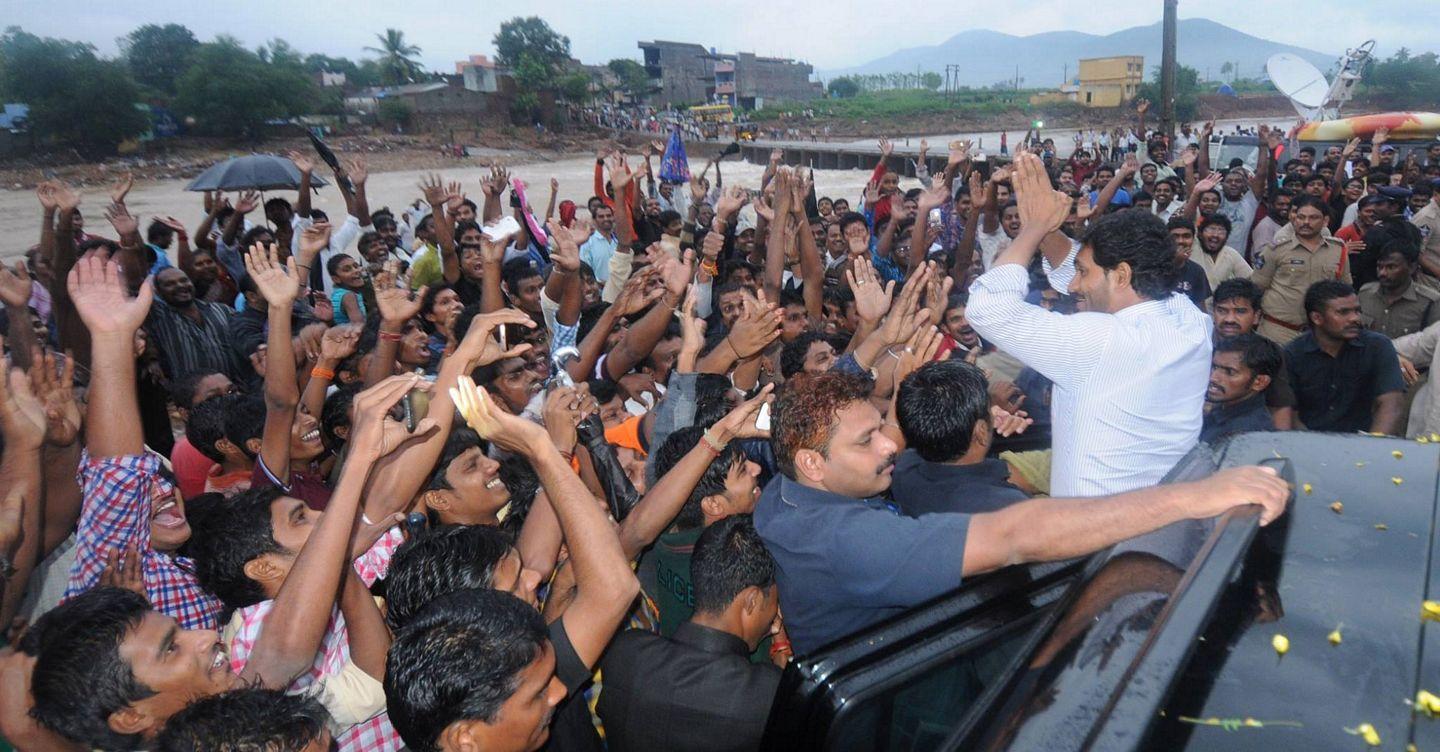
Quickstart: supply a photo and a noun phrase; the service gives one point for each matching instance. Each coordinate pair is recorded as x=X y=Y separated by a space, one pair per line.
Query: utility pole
x=1167 y=71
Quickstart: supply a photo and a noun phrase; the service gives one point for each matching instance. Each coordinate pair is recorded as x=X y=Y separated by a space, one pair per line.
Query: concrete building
x=479 y=73
x=1110 y=81
x=682 y=73
x=438 y=98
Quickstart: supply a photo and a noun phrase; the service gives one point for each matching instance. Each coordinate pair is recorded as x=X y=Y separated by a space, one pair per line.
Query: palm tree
x=397 y=58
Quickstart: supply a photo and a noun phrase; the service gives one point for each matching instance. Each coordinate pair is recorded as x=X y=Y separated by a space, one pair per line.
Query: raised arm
x=1269 y=142
x=812 y=269
x=15 y=289
x=300 y=614
x=112 y=317
x=782 y=234
x=550 y=205
x=306 y=166
x=279 y=284
x=1054 y=529
x=605 y=584
x=927 y=202
x=397 y=304
x=641 y=337
x=1202 y=160
x=662 y=501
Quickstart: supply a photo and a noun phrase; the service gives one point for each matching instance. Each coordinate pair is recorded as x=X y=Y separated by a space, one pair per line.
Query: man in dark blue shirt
x=945 y=416
x=846 y=560
x=1345 y=377
x=1241 y=369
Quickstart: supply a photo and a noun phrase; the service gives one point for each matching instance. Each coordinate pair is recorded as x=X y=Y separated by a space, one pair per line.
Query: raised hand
x=396 y=302
x=45 y=191
x=314 y=239
x=678 y=273
x=924 y=148
x=729 y=203
x=1206 y=183
x=278 y=282
x=959 y=151
x=248 y=202
x=697 y=191
x=565 y=253
x=886 y=148
x=454 y=197
x=15 y=286
x=499 y=179
x=433 y=189
x=1185 y=159
x=120 y=219
x=1382 y=134
x=560 y=415
x=763 y=208
x=1008 y=423
x=1041 y=206
x=758 y=326
x=373 y=434
x=479 y=348
x=1351 y=146
x=510 y=432
x=1142 y=106
x=302 y=162
x=977 y=189
x=493 y=251
x=620 y=174
x=739 y=423
x=692 y=328
x=122 y=570
x=67 y=199
x=22 y=416
x=636 y=293
x=57 y=393
x=121 y=188
x=358 y=171
x=102 y=300
x=554 y=185
x=339 y=342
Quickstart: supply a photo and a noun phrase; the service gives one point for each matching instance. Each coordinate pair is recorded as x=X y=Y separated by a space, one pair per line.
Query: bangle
x=710 y=267
x=391 y=336
x=780 y=646
x=715 y=446
x=324 y=374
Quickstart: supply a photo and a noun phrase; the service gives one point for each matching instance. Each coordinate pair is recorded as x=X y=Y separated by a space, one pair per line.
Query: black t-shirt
x=1194 y=284
x=1338 y=394
x=572 y=727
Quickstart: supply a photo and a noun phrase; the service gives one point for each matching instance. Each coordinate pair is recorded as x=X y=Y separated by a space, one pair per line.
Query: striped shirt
x=1129 y=386
x=187 y=346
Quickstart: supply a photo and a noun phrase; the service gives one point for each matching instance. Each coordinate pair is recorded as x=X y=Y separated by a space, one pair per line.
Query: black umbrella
x=257 y=172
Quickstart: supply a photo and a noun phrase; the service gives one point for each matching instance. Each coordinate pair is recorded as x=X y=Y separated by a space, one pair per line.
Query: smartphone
x=505 y=227
x=762 y=418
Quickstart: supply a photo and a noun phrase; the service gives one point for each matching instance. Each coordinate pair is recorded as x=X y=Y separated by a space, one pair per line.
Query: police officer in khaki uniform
x=1428 y=220
x=1302 y=255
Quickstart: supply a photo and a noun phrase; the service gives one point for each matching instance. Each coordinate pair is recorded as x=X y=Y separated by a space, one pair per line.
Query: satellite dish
x=1300 y=81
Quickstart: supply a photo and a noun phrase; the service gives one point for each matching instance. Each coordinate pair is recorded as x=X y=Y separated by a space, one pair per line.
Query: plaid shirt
x=374 y=735
x=118 y=493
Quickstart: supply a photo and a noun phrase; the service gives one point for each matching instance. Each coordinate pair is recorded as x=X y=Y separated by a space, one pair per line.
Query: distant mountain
x=986 y=57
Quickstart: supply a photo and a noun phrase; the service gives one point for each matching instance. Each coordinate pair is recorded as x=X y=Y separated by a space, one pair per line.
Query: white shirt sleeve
x=1065 y=349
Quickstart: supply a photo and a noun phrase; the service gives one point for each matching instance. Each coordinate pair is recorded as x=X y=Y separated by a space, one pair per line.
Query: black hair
x=1402 y=246
x=1217 y=218
x=427 y=305
x=712 y=482
x=466 y=224
x=248 y=239
x=245 y=720
x=1141 y=195
x=1177 y=222
x=223 y=541
x=206 y=424
x=603 y=390
x=79 y=678
x=523 y=483
x=791 y=297
x=459 y=441
x=792 y=355
x=159 y=231
x=729 y=557
x=277 y=201
x=471 y=204
x=182 y=390
x=1260 y=355
x=938 y=406
x=1305 y=200
x=850 y=218
x=589 y=317
x=459 y=660
x=441 y=560
x=668 y=216
x=382 y=219
x=245 y=420
x=732 y=266
x=335 y=261
x=1239 y=287
x=1308 y=150
x=516 y=271
x=712 y=399
x=1140 y=239
x=335 y=415
x=1318 y=295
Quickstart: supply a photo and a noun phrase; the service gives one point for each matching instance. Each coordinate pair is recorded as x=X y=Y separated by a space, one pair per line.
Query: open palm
x=101 y=299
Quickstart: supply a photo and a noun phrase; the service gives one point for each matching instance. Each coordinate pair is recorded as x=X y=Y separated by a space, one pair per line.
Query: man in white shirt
x=602 y=243
x=1130 y=371
x=1165 y=204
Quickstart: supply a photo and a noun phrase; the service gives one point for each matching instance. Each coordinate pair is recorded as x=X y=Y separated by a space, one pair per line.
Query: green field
x=919 y=102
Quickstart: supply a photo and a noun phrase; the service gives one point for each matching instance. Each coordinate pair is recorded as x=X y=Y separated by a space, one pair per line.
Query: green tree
x=931 y=80
x=634 y=81
x=157 y=55
x=397 y=58
x=1187 y=93
x=230 y=91
x=1405 y=80
x=280 y=53
x=75 y=97
x=843 y=87
x=532 y=37
x=575 y=87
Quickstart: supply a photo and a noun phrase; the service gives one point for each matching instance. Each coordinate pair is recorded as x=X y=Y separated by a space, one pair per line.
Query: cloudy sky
x=827 y=33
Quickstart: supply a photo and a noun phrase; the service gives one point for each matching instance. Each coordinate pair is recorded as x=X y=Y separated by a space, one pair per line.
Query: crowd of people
x=491 y=476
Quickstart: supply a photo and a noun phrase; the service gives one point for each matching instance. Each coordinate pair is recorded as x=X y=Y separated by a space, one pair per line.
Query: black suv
x=1168 y=641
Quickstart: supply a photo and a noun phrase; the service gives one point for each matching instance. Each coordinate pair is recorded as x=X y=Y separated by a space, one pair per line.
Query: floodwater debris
x=1381 y=526
x=1430 y=611
x=1337 y=507
x=1281 y=643
x=1397 y=454
x=1397 y=480
x=1307 y=488
x=1334 y=636
x=1367 y=732
x=1235 y=724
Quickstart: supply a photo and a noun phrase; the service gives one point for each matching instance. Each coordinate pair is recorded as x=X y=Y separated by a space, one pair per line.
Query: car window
x=919 y=712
